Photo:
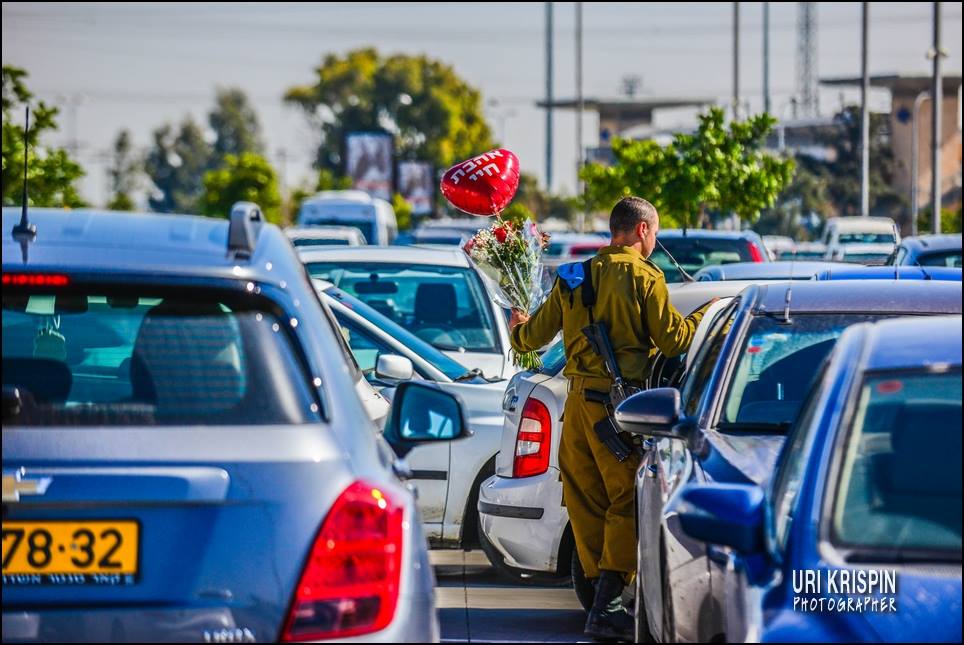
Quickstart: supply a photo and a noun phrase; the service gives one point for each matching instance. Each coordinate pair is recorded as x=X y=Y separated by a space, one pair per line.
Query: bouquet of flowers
x=510 y=256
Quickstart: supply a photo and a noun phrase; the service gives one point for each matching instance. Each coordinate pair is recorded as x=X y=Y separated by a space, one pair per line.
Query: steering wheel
x=666 y=372
x=442 y=336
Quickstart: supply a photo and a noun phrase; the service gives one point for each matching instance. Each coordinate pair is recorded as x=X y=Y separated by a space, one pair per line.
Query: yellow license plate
x=70 y=552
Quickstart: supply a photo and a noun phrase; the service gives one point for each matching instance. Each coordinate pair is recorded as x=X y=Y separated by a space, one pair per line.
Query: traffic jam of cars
x=217 y=430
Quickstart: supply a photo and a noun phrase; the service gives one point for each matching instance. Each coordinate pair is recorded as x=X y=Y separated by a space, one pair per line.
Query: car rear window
x=944 y=259
x=694 y=253
x=320 y=241
x=117 y=358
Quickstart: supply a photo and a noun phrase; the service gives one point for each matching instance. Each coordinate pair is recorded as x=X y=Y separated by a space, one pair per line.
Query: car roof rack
x=245 y=224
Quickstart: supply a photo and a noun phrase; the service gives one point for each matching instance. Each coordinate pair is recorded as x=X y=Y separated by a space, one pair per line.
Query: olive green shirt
x=633 y=301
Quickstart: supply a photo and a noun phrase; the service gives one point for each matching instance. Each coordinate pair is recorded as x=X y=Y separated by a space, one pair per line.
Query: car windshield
x=444 y=306
x=866 y=238
x=121 y=358
x=866 y=258
x=320 y=241
x=899 y=488
x=430 y=354
x=945 y=259
x=775 y=365
x=694 y=253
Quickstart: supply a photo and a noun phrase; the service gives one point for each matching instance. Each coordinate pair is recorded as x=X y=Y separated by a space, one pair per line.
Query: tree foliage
x=124 y=172
x=246 y=177
x=235 y=125
x=52 y=174
x=176 y=164
x=719 y=167
x=433 y=114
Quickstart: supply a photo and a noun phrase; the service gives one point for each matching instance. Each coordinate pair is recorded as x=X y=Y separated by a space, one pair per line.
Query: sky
x=138 y=66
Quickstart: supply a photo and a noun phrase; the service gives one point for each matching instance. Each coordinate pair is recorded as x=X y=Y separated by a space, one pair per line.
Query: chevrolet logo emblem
x=15 y=485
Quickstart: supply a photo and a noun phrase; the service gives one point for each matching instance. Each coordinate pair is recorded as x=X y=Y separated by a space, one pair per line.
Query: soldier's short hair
x=629 y=212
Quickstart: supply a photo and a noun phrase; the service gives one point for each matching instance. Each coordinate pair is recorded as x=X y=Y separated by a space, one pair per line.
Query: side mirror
x=394 y=367
x=726 y=514
x=423 y=413
x=652 y=413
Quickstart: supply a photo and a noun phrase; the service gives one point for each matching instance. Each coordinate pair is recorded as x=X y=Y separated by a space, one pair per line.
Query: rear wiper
x=756 y=427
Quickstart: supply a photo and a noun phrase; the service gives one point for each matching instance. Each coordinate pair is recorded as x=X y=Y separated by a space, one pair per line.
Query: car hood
x=483 y=401
x=492 y=365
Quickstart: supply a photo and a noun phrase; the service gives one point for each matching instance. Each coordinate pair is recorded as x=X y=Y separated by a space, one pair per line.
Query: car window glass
x=790 y=467
x=698 y=378
x=447 y=307
x=109 y=359
x=899 y=487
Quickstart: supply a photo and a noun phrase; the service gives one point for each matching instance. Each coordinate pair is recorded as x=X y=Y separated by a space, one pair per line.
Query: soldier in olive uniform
x=633 y=301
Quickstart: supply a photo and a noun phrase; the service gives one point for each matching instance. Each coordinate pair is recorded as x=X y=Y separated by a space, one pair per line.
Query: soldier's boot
x=608 y=618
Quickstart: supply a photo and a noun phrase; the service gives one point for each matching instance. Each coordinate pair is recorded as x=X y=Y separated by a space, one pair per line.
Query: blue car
x=185 y=456
x=867 y=490
x=903 y=272
x=766 y=270
x=928 y=251
x=728 y=421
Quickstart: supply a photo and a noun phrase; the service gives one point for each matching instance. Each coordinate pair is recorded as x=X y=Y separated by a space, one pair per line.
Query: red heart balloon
x=483 y=185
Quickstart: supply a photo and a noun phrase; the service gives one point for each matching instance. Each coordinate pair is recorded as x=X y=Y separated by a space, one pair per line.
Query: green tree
x=176 y=164
x=248 y=177
x=124 y=172
x=51 y=172
x=719 y=167
x=843 y=168
x=950 y=221
x=433 y=114
x=403 y=212
x=235 y=125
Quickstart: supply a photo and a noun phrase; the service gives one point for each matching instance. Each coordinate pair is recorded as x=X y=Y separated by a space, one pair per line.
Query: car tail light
x=350 y=583
x=35 y=280
x=533 y=441
x=755 y=255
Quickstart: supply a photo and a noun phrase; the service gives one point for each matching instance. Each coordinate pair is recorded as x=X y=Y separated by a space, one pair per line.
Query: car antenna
x=927 y=276
x=686 y=276
x=25 y=232
x=786 y=303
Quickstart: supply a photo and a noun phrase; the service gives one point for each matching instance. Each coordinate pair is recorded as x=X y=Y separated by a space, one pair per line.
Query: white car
x=447 y=479
x=525 y=527
x=879 y=233
x=779 y=245
x=435 y=293
x=325 y=236
x=374 y=217
x=869 y=254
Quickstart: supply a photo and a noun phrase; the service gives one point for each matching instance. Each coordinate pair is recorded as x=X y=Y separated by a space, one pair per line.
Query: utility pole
x=766 y=57
x=864 y=117
x=937 y=92
x=580 y=106
x=736 y=61
x=549 y=96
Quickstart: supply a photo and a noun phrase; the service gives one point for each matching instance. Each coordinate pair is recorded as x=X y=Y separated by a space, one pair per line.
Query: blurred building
x=623 y=117
x=904 y=91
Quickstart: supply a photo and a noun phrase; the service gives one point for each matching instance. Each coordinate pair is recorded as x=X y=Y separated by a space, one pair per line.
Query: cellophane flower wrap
x=510 y=257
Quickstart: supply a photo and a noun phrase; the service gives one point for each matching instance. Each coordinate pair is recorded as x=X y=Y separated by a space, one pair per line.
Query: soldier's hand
x=518 y=317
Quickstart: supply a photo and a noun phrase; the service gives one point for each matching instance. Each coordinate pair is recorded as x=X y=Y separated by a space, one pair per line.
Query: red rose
x=500 y=233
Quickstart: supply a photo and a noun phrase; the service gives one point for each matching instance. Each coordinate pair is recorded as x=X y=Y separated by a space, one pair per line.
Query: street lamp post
x=914 y=156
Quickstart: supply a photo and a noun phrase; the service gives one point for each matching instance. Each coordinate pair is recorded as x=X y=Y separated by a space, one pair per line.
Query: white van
x=874 y=235
x=374 y=217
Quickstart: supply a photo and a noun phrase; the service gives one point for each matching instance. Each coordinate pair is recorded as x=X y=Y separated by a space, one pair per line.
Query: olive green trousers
x=598 y=490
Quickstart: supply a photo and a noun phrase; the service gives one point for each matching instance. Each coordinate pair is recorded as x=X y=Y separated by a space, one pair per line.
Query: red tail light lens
x=533 y=441
x=35 y=280
x=350 y=583
x=755 y=255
